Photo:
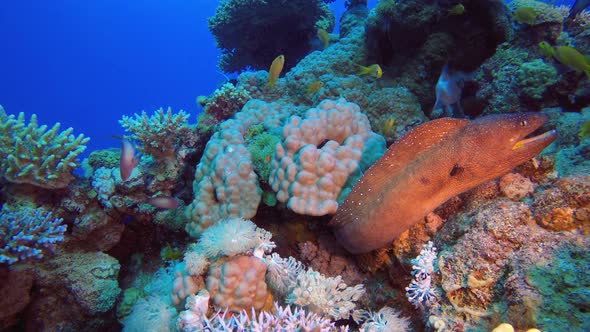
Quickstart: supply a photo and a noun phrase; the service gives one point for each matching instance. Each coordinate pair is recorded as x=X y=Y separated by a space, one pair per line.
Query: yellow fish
x=570 y=57
x=585 y=131
x=324 y=37
x=275 y=70
x=314 y=87
x=387 y=126
x=525 y=15
x=546 y=50
x=372 y=70
x=457 y=9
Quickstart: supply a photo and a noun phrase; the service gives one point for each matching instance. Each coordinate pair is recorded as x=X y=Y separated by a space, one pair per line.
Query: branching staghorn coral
x=26 y=233
x=329 y=297
x=35 y=155
x=281 y=319
x=162 y=134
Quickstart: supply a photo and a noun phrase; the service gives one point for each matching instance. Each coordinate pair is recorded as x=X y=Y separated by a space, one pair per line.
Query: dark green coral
x=252 y=33
x=422 y=36
x=565 y=284
x=262 y=148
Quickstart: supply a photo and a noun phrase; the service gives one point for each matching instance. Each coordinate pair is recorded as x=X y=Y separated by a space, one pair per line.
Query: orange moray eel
x=432 y=163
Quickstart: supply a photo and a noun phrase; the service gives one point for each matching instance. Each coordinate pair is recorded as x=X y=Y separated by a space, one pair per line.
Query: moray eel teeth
x=432 y=163
x=522 y=143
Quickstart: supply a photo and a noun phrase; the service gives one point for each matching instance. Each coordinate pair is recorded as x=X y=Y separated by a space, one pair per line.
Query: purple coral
x=26 y=233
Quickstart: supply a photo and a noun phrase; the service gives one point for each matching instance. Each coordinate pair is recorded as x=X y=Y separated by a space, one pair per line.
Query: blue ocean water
x=87 y=63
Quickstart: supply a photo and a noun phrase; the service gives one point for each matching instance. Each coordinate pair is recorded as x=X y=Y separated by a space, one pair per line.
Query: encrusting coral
x=251 y=32
x=35 y=155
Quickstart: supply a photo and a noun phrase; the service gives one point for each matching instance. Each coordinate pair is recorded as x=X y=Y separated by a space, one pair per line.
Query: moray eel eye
x=523 y=123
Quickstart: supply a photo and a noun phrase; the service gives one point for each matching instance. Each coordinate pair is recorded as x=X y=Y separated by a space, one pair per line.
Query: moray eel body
x=432 y=163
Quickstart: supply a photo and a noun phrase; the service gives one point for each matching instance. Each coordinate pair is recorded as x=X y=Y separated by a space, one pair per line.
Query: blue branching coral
x=27 y=233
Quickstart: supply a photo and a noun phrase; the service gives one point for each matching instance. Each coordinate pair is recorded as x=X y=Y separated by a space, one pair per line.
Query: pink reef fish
x=163 y=202
x=128 y=159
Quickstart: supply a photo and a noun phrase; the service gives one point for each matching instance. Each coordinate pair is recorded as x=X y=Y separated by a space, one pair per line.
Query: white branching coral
x=282 y=273
x=195 y=263
x=421 y=291
x=161 y=135
x=329 y=297
x=283 y=319
x=34 y=155
x=234 y=236
x=386 y=320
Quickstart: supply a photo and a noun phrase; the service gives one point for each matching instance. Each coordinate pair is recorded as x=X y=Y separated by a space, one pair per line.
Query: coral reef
x=509 y=253
x=251 y=32
x=489 y=286
x=225 y=184
x=35 y=155
x=515 y=78
x=89 y=278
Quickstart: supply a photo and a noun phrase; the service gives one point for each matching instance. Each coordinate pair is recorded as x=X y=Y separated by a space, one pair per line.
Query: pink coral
x=318 y=154
x=185 y=285
x=239 y=284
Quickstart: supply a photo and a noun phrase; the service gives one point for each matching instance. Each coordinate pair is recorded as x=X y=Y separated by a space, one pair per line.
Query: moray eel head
x=501 y=142
x=432 y=163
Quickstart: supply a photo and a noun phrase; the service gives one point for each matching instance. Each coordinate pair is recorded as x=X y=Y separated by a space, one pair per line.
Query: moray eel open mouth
x=543 y=138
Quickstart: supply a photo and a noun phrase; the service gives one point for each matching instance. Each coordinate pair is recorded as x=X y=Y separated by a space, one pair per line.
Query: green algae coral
x=262 y=147
x=545 y=12
x=565 y=285
x=108 y=158
x=535 y=77
x=35 y=155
